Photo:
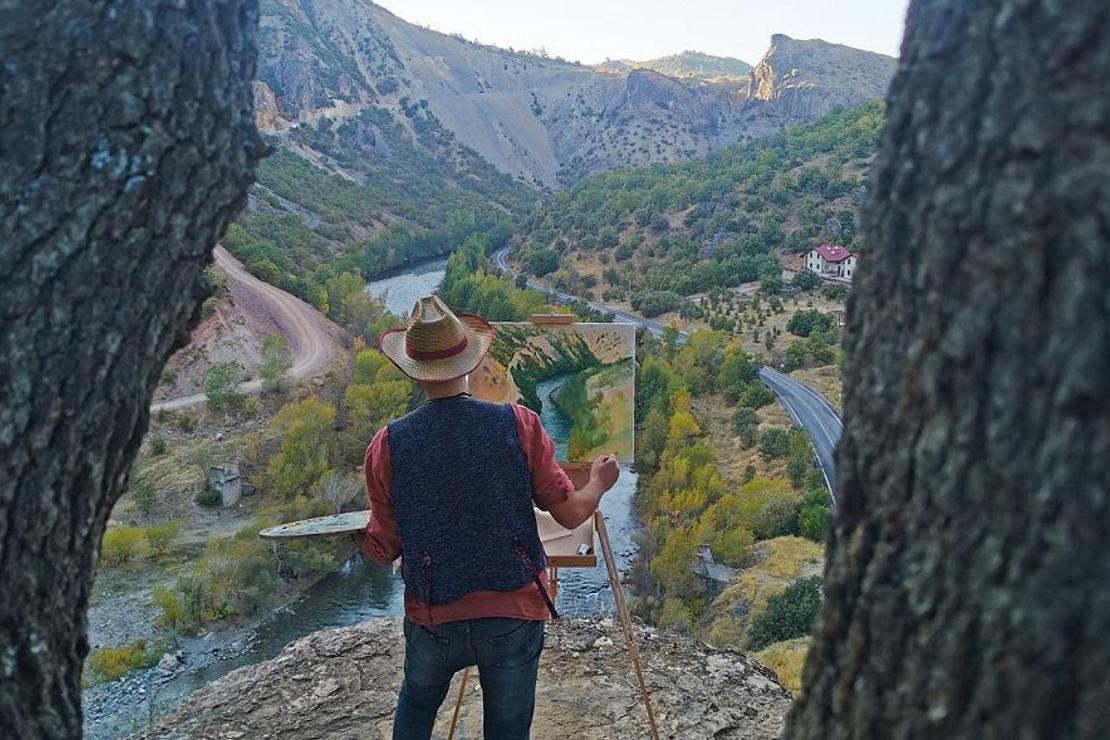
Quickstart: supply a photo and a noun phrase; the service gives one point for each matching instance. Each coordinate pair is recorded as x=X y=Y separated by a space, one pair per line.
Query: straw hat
x=438 y=346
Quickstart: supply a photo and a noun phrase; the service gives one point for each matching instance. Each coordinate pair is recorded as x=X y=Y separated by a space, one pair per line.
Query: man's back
x=462 y=497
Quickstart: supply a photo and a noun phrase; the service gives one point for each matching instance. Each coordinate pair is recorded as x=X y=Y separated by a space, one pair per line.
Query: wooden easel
x=622 y=611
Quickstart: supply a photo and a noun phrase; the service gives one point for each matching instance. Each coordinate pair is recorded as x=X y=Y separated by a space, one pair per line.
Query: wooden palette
x=564 y=547
x=352 y=521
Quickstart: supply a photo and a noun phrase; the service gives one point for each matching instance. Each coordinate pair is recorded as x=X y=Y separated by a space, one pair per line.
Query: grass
x=112 y=663
x=780 y=561
x=786 y=659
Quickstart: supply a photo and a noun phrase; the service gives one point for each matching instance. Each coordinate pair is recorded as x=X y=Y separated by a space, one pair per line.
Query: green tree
x=221 y=384
x=276 y=363
x=774 y=444
x=306 y=432
x=745 y=422
x=737 y=372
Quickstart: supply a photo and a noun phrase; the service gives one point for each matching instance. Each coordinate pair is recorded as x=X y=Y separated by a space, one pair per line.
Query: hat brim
x=479 y=337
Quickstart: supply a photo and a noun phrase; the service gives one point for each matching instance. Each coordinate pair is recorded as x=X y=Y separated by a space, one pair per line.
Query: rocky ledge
x=342 y=684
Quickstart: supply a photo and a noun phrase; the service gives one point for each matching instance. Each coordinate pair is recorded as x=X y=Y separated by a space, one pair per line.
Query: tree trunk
x=126 y=145
x=967 y=587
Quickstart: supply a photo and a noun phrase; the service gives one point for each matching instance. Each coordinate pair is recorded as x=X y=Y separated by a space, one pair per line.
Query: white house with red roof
x=831 y=261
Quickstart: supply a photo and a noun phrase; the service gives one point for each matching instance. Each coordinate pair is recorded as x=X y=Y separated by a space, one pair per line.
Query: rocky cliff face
x=544 y=121
x=342 y=684
x=802 y=80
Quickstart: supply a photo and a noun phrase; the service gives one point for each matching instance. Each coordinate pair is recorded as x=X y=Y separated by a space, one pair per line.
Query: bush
x=220 y=384
x=656 y=302
x=788 y=615
x=756 y=396
x=111 y=663
x=145 y=495
x=774 y=443
x=161 y=536
x=745 y=423
x=803 y=323
x=806 y=280
x=777 y=519
x=209 y=497
x=158 y=445
x=276 y=363
x=813 y=514
x=123 y=545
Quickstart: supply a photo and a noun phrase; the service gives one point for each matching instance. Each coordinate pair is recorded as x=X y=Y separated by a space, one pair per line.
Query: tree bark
x=126 y=146
x=967 y=587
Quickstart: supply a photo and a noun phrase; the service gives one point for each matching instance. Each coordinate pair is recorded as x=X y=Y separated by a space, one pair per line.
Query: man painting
x=452 y=487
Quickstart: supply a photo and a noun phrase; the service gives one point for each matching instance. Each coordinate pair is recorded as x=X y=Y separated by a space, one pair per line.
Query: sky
x=590 y=31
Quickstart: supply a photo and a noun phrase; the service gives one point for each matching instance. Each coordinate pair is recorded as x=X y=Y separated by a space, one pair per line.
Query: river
x=358 y=589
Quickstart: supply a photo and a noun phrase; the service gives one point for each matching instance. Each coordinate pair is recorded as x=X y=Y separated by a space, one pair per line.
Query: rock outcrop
x=342 y=684
x=802 y=80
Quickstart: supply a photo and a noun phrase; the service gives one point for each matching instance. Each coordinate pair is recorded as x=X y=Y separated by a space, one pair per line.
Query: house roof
x=832 y=253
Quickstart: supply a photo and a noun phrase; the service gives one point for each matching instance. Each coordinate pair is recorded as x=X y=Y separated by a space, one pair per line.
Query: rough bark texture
x=966 y=590
x=126 y=146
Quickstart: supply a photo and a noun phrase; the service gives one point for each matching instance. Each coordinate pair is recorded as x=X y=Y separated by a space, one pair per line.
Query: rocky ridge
x=342 y=683
x=544 y=121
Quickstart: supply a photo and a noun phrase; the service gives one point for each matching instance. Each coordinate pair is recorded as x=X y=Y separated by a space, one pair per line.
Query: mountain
x=378 y=124
x=687 y=64
x=542 y=121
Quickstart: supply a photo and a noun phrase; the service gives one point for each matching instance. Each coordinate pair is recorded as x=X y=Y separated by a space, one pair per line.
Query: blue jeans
x=507 y=653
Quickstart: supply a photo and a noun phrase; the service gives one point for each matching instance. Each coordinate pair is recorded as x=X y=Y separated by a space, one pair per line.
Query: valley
x=678 y=194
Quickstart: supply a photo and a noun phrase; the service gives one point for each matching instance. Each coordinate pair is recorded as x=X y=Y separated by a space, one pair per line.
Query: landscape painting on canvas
x=580 y=379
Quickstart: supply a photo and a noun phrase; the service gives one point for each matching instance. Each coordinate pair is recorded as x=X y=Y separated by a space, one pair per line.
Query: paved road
x=815 y=414
x=313 y=348
x=809 y=409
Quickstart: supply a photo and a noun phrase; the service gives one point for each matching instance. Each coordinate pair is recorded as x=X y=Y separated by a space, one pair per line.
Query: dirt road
x=313 y=340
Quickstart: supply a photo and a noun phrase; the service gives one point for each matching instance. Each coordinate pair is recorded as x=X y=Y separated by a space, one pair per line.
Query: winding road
x=312 y=345
x=808 y=408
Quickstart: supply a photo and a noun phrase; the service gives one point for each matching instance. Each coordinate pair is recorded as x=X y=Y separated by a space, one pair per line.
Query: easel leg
x=458 y=703
x=553 y=582
x=626 y=619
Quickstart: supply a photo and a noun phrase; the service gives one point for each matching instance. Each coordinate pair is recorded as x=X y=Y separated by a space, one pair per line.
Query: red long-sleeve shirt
x=550 y=486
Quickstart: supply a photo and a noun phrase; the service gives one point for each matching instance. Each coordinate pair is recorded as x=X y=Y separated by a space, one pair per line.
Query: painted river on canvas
x=359 y=589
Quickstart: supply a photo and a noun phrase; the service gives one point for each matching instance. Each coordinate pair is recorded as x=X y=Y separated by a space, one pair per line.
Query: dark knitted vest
x=462 y=495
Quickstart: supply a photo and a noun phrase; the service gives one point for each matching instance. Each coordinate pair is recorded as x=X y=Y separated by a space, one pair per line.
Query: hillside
x=713 y=222
x=377 y=125
x=687 y=64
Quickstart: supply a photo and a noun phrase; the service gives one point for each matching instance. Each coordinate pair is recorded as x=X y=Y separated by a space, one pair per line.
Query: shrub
x=220 y=383
x=745 y=423
x=145 y=495
x=756 y=396
x=123 y=545
x=160 y=536
x=788 y=615
x=158 y=445
x=275 y=366
x=774 y=443
x=675 y=616
x=806 y=280
x=803 y=323
x=111 y=663
x=778 y=518
x=813 y=514
x=209 y=497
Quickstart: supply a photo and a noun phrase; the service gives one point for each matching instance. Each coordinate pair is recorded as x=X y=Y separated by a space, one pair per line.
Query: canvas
x=580 y=379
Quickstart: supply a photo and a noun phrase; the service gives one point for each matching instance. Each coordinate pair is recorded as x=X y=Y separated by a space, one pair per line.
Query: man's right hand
x=605 y=471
